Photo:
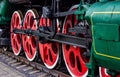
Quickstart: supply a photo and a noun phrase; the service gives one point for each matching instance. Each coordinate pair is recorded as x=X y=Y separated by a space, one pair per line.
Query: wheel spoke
x=17 y=40
x=78 y=66
x=15 y=21
x=44 y=22
x=28 y=22
x=45 y=53
x=49 y=22
x=53 y=49
x=25 y=43
x=49 y=58
x=52 y=55
x=33 y=27
x=32 y=42
x=25 y=24
x=30 y=50
x=72 y=59
x=14 y=44
x=32 y=23
x=16 y=48
x=81 y=65
x=28 y=44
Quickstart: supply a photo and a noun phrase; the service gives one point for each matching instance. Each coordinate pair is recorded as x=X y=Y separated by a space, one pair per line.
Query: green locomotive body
x=105 y=26
x=6 y=11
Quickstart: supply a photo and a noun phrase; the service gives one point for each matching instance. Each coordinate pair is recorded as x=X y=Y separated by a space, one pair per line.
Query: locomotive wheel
x=73 y=56
x=30 y=42
x=49 y=51
x=16 y=38
x=103 y=72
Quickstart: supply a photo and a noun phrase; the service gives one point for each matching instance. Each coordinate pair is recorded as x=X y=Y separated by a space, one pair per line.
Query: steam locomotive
x=83 y=34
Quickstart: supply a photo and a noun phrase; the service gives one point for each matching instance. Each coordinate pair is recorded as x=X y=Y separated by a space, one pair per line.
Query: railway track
x=30 y=69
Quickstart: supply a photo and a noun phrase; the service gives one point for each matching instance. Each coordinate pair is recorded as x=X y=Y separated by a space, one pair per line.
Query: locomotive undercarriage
x=53 y=34
x=4 y=40
x=58 y=31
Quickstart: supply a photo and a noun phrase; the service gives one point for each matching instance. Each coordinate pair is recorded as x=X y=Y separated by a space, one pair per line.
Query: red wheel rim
x=50 y=51
x=103 y=72
x=73 y=56
x=29 y=42
x=16 y=38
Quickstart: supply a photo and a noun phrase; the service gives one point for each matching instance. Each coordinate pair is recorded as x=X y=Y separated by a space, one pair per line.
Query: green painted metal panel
x=109 y=32
x=5 y=12
x=101 y=46
x=104 y=18
x=105 y=0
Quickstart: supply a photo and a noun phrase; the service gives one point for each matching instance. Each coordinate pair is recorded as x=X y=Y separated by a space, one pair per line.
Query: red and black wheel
x=16 y=38
x=30 y=42
x=103 y=72
x=49 y=51
x=73 y=55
